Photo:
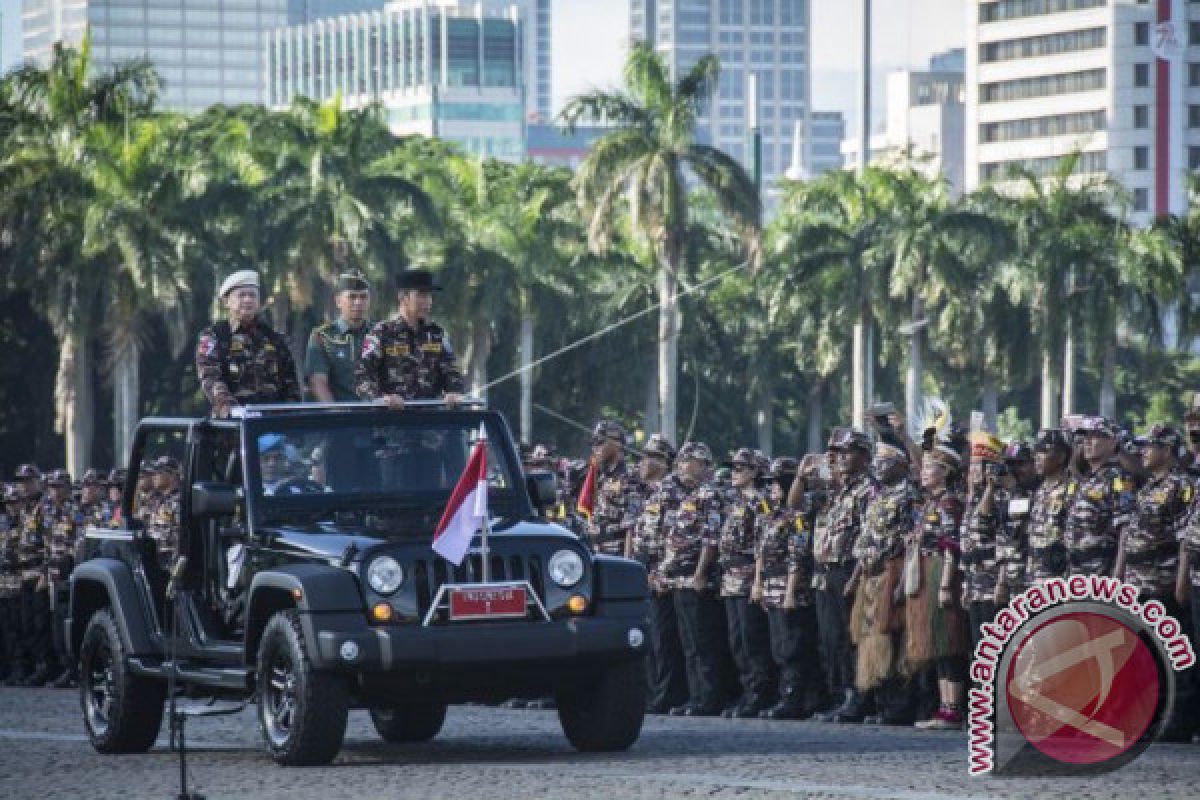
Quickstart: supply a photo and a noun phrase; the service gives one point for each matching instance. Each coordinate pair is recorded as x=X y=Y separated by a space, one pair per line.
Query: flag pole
x=483 y=550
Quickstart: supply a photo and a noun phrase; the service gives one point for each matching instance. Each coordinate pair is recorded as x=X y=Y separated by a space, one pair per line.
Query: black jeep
x=305 y=580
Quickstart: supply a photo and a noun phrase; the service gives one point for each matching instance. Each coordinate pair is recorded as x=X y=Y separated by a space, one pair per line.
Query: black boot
x=828 y=714
x=733 y=711
x=754 y=706
x=790 y=706
x=851 y=710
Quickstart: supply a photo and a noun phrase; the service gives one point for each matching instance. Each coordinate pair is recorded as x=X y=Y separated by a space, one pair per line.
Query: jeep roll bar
x=255 y=410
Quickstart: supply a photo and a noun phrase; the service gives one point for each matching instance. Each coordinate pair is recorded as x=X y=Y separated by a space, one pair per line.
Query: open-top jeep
x=306 y=582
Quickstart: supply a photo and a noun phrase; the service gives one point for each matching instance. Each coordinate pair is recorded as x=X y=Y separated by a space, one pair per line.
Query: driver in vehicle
x=283 y=470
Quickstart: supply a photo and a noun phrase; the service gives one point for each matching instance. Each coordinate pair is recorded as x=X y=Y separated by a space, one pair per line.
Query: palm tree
x=651 y=154
x=48 y=170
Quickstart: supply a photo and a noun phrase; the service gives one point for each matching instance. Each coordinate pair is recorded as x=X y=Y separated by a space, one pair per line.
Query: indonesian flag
x=467 y=510
x=587 y=494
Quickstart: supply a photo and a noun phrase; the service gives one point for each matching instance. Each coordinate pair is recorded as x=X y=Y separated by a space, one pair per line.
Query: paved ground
x=493 y=754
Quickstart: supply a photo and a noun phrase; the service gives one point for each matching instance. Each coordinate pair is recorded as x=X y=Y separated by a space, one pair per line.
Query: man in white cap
x=241 y=360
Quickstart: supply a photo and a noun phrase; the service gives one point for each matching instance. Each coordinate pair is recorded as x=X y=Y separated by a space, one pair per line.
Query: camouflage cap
x=659 y=445
x=1090 y=425
x=1050 y=438
x=166 y=464
x=59 y=477
x=608 y=429
x=784 y=466
x=1018 y=451
x=849 y=439
x=28 y=472
x=698 y=451
x=93 y=477
x=1161 y=435
x=749 y=457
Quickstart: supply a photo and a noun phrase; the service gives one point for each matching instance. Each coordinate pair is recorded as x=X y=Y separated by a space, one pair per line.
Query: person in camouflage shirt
x=879 y=549
x=65 y=520
x=408 y=357
x=737 y=545
x=241 y=360
x=163 y=526
x=1148 y=555
x=91 y=500
x=988 y=497
x=836 y=527
x=10 y=585
x=691 y=525
x=1101 y=505
x=1046 y=555
x=1020 y=480
x=783 y=584
x=35 y=647
x=665 y=666
x=615 y=489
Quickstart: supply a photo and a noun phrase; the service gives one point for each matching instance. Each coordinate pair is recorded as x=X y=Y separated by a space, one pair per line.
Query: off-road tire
x=605 y=715
x=409 y=722
x=122 y=712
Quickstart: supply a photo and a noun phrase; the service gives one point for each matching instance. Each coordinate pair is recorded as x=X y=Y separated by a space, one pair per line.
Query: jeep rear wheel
x=302 y=712
x=409 y=722
x=605 y=715
x=121 y=711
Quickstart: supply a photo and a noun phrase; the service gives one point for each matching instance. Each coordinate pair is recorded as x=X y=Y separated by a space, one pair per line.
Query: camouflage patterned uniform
x=1099 y=511
x=667 y=679
x=1047 y=557
x=10 y=587
x=980 y=559
x=889 y=515
x=163 y=526
x=692 y=521
x=414 y=363
x=1012 y=540
x=251 y=364
x=1153 y=532
x=737 y=542
x=615 y=489
x=35 y=647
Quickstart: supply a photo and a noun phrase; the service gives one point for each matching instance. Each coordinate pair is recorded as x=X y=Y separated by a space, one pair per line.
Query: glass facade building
x=438 y=67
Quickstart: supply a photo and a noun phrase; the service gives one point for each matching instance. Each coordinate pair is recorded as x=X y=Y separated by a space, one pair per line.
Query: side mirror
x=214 y=499
x=543 y=489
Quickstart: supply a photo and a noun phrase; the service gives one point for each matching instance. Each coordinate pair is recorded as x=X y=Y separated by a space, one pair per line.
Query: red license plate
x=487 y=602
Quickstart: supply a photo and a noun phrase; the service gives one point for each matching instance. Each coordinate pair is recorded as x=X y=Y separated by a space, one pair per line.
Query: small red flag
x=587 y=494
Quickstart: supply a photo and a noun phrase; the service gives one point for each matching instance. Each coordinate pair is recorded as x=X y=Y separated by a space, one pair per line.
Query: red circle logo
x=1083 y=688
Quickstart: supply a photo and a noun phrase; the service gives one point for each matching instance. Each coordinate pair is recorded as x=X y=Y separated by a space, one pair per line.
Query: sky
x=591 y=37
x=10 y=32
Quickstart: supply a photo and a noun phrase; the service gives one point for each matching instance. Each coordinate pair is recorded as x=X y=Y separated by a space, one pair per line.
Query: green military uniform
x=333 y=350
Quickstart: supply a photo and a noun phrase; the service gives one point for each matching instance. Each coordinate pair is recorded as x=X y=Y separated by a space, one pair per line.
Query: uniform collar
x=344 y=327
x=236 y=326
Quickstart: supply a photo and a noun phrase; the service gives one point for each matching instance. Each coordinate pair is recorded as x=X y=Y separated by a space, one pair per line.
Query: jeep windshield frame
x=373 y=460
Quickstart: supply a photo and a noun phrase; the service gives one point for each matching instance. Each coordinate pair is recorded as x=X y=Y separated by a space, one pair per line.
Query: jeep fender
x=107 y=582
x=620 y=587
x=308 y=588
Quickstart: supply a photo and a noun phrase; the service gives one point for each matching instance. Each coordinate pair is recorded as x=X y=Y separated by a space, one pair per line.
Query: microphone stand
x=177 y=718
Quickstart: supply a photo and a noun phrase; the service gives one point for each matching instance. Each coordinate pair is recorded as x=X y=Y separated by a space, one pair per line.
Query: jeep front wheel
x=121 y=711
x=302 y=712
x=605 y=715
x=409 y=722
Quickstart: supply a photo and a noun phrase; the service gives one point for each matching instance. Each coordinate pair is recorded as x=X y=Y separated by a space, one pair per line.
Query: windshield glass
x=334 y=463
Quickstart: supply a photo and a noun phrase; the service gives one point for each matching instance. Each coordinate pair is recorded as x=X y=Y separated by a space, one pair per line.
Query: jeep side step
x=229 y=678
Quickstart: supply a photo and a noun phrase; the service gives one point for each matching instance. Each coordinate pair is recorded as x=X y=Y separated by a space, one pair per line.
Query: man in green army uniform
x=333 y=348
x=241 y=360
x=409 y=357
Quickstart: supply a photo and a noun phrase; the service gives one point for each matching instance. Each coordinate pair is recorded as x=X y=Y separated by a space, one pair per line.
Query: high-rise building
x=924 y=121
x=537 y=21
x=1115 y=80
x=207 y=51
x=817 y=145
x=445 y=68
x=767 y=38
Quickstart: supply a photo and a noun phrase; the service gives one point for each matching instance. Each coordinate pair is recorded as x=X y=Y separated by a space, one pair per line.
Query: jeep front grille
x=430 y=574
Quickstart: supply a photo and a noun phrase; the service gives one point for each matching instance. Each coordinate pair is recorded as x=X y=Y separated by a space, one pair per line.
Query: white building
x=207 y=51
x=1118 y=80
x=440 y=68
x=817 y=149
x=769 y=38
x=923 y=121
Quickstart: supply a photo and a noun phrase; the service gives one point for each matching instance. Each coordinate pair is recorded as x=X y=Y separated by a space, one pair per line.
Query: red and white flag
x=467 y=511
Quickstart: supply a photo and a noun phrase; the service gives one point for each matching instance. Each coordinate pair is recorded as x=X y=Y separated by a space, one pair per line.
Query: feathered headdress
x=934 y=424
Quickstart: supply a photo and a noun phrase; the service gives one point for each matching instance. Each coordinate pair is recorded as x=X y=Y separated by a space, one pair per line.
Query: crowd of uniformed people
x=848 y=586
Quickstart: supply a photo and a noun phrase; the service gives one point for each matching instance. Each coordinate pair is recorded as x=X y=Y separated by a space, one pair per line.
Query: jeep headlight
x=566 y=568
x=385 y=575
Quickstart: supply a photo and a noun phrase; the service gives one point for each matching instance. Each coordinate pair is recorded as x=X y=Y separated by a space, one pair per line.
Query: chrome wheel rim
x=279 y=699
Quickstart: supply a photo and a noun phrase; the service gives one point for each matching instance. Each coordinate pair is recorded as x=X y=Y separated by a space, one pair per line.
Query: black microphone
x=176 y=574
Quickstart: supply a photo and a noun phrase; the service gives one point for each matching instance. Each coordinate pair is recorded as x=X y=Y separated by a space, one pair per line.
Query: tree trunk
x=916 y=354
x=816 y=408
x=764 y=412
x=858 y=359
x=126 y=389
x=477 y=356
x=651 y=400
x=1050 y=416
x=526 y=355
x=990 y=400
x=668 y=350
x=74 y=417
x=1068 y=379
x=1108 y=382
x=869 y=365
